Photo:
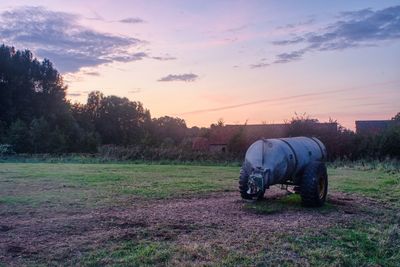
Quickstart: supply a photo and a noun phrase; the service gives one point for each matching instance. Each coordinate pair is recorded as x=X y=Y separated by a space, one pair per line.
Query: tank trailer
x=297 y=161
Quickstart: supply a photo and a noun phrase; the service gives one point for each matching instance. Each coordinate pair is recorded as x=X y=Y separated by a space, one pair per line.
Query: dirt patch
x=14 y=249
x=5 y=228
x=215 y=220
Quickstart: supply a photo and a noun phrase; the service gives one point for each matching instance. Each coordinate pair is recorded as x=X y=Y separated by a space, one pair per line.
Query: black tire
x=314 y=185
x=243 y=186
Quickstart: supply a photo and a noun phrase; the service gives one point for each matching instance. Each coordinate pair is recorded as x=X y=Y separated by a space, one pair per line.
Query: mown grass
x=379 y=185
x=98 y=159
x=153 y=253
x=131 y=254
x=43 y=182
x=387 y=165
x=363 y=242
x=360 y=244
x=372 y=241
x=96 y=184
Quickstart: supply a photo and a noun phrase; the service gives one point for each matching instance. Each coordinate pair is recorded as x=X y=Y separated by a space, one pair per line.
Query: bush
x=174 y=154
x=6 y=150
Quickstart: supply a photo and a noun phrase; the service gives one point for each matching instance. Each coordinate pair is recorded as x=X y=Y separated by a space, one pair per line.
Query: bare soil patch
x=60 y=236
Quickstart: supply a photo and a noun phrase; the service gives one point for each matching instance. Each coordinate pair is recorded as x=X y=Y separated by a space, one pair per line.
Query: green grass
x=98 y=159
x=151 y=253
x=360 y=244
x=365 y=242
x=372 y=241
x=95 y=183
x=387 y=165
x=40 y=183
x=380 y=185
x=131 y=254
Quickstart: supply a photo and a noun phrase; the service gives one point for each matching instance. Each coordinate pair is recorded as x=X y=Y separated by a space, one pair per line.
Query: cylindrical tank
x=283 y=159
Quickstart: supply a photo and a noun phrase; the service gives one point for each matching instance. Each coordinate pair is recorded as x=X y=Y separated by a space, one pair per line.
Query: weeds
x=387 y=165
x=98 y=159
x=360 y=244
x=131 y=254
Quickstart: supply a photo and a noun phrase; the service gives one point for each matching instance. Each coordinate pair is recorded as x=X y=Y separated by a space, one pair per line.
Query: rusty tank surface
x=296 y=161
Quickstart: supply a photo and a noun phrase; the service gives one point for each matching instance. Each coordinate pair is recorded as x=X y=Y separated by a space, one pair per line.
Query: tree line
x=36 y=117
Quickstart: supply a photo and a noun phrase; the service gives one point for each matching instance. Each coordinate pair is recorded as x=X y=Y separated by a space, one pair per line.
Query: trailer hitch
x=256 y=182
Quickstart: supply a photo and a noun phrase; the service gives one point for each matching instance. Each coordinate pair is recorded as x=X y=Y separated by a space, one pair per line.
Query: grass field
x=145 y=215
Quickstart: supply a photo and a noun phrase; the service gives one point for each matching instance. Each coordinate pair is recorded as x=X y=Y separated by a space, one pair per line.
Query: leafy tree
x=396 y=117
x=89 y=142
x=168 y=130
x=3 y=129
x=18 y=137
x=28 y=88
x=220 y=123
x=58 y=141
x=39 y=135
x=89 y=139
x=302 y=125
x=237 y=144
x=390 y=143
x=32 y=96
x=94 y=104
x=117 y=120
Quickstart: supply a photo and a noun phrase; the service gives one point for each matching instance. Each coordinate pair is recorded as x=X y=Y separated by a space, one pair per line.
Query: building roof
x=253 y=132
x=373 y=126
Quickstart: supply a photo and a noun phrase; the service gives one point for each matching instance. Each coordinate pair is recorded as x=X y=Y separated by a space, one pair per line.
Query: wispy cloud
x=361 y=28
x=91 y=73
x=259 y=65
x=128 y=20
x=164 y=58
x=288 y=57
x=135 y=91
x=187 y=77
x=362 y=13
x=352 y=29
x=74 y=94
x=309 y=21
x=131 y=57
x=296 y=40
x=131 y=20
x=60 y=37
x=262 y=64
x=237 y=29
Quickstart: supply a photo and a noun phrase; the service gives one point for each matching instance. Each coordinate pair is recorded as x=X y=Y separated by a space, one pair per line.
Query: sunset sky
x=254 y=61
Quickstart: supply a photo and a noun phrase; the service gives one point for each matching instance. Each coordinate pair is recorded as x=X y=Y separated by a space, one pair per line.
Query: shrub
x=6 y=149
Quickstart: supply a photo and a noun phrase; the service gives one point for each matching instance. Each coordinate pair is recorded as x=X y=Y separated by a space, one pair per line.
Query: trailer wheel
x=245 y=191
x=314 y=185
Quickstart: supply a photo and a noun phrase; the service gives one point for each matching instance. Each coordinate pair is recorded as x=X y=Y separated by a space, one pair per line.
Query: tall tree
x=28 y=88
x=18 y=137
x=169 y=130
x=32 y=93
x=117 y=120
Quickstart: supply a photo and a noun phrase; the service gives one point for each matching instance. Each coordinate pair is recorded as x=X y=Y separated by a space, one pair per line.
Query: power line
x=271 y=100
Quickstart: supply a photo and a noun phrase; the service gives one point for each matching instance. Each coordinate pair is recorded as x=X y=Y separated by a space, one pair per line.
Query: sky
x=239 y=61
